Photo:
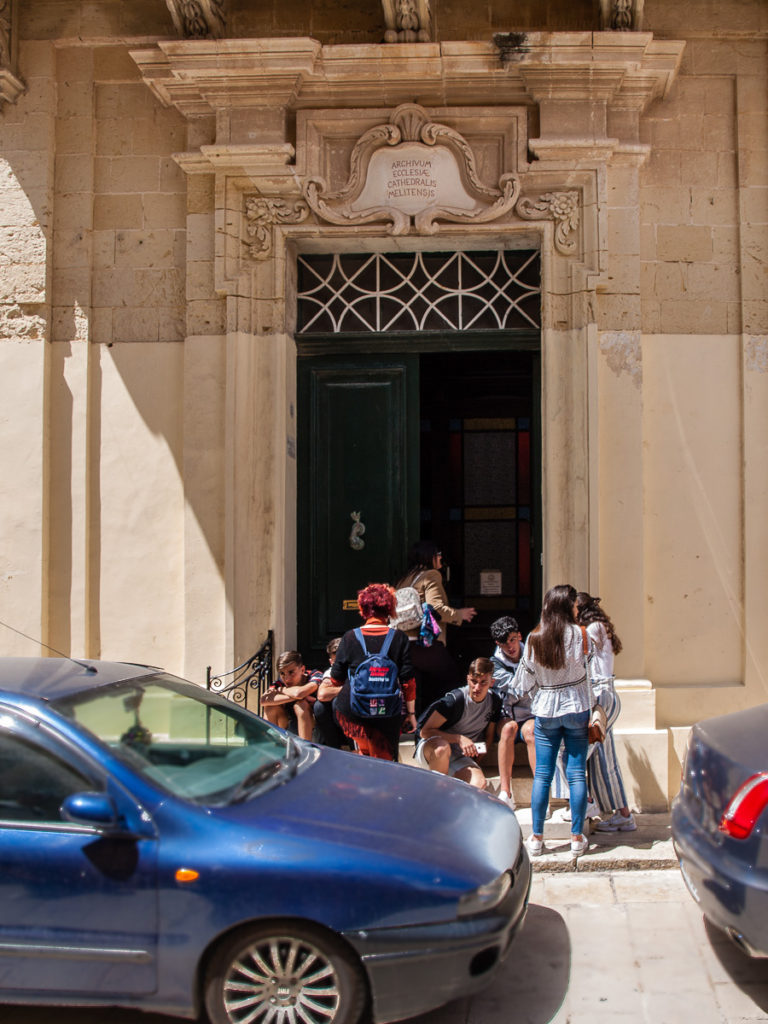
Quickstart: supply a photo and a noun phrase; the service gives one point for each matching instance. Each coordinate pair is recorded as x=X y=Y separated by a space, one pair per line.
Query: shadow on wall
x=647 y=793
x=108 y=288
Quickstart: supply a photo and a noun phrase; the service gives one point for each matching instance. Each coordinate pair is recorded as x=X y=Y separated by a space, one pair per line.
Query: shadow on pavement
x=749 y=974
x=79 y=1015
x=531 y=984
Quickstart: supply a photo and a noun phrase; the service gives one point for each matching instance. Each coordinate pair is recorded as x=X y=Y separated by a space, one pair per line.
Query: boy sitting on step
x=457 y=729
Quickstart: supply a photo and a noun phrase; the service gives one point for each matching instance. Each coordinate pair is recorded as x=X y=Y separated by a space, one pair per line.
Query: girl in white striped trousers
x=605 y=781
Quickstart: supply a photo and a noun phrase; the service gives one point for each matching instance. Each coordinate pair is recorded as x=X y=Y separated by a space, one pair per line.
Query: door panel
x=358 y=443
x=78 y=911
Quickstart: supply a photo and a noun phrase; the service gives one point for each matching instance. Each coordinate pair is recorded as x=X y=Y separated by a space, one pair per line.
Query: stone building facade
x=169 y=171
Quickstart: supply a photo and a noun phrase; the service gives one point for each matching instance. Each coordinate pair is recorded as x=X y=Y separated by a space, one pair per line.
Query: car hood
x=390 y=810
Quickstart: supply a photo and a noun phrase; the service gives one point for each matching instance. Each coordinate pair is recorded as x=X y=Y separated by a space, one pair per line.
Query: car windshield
x=194 y=744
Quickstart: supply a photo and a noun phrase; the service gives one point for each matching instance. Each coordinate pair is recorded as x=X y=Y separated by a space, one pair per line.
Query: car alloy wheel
x=284 y=974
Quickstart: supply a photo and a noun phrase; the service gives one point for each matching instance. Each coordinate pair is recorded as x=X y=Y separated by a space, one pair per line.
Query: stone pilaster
x=11 y=87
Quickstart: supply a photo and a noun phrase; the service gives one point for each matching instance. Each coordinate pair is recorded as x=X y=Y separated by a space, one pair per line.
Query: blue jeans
x=549 y=733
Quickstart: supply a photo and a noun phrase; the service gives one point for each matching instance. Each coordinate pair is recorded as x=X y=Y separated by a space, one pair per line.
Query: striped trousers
x=604 y=779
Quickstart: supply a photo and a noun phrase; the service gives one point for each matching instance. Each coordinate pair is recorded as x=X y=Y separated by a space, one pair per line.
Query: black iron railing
x=254 y=674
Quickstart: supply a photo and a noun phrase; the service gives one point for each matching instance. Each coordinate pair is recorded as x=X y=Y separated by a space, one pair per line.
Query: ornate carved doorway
x=418 y=415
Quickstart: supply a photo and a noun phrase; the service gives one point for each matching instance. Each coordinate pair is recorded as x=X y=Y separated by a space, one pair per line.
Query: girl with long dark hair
x=605 y=780
x=553 y=670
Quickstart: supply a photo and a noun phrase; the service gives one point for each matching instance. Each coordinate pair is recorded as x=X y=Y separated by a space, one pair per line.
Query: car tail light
x=746 y=807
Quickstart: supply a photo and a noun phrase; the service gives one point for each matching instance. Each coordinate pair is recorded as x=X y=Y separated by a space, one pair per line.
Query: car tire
x=284 y=965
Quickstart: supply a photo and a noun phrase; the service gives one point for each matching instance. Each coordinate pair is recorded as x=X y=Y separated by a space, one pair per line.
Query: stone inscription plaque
x=411 y=178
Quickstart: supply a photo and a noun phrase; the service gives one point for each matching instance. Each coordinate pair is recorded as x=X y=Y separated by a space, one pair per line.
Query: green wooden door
x=358 y=435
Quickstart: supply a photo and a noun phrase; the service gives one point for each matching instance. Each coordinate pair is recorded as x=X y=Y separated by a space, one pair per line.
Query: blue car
x=720 y=824
x=163 y=848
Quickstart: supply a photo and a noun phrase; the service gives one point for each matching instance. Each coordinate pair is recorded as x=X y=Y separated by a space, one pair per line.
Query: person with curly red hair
x=377 y=737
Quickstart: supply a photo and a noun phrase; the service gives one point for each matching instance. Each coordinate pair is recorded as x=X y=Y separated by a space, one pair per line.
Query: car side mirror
x=96 y=809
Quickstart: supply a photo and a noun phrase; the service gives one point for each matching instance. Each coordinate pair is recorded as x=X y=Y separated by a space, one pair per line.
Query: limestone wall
x=104 y=401
x=147 y=379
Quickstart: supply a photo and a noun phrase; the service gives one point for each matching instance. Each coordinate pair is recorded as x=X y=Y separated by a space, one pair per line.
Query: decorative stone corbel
x=412 y=170
x=621 y=15
x=11 y=87
x=562 y=208
x=261 y=215
x=407 y=21
x=198 y=19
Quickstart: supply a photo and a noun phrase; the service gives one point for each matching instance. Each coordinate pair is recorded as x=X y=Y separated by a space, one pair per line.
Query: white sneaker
x=579 y=846
x=534 y=846
x=617 y=823
x=507 y=798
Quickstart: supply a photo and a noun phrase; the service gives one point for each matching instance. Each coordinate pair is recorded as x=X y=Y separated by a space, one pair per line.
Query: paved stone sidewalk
x=623 y=947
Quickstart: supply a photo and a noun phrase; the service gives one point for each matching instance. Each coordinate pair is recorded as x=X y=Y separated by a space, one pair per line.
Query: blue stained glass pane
x=454 y=515
x=524 y=423
x=524 y=512
x=454 y=425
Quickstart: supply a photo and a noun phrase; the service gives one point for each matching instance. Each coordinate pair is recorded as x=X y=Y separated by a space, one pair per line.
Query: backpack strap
x=387 y=642
x=361 y=639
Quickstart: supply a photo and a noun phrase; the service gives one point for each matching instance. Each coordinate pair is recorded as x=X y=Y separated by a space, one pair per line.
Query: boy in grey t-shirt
x=451 y=728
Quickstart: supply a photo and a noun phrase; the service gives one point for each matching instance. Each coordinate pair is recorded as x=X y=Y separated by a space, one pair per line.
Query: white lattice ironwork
x=422 y=291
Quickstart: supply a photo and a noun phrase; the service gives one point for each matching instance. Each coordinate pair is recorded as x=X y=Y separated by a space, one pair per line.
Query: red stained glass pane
x=524 y=467
x=524 y=557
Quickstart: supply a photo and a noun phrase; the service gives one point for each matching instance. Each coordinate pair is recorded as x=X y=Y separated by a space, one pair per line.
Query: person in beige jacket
x=436 y=671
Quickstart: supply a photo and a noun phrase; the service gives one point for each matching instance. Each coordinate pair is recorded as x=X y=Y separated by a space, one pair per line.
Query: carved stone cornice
x=562 y=208
x=11 y=87
x=407 y=21
x=200 y=77
x=412 y=171
x=198 y=19
x=204 y=76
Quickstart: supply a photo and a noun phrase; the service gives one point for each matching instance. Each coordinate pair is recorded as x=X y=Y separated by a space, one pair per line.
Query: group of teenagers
x=542 y=693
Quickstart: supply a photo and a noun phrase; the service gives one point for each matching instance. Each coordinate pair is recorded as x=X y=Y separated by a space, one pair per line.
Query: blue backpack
x=374 y=689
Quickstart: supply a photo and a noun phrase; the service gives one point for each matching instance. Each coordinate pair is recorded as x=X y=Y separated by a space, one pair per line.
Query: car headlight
x=486 y=897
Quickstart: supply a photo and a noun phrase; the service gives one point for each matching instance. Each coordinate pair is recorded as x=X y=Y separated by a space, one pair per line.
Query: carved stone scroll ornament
x=562 y=208
x=198 y=19
x=412 y=170
x=407 y=21
x=261 y=215
x=621 y=15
